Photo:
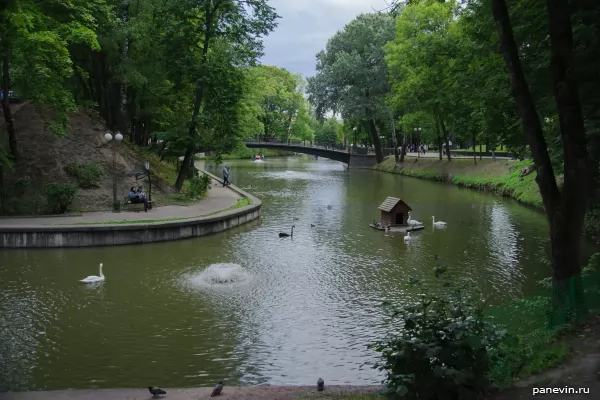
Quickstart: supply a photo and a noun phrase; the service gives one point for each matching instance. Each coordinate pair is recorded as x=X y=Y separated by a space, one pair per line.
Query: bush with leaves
x=88 y=175
x=197 y=187
x=442 y=350
x=60 y=196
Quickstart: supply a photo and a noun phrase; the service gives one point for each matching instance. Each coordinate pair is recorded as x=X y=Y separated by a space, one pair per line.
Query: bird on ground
x=437 y=223
x=156 y=391
x=218 y=389
x=312 y=225
x=407 y=237
x=320 y=385
x=283 y=234
x=93 y=278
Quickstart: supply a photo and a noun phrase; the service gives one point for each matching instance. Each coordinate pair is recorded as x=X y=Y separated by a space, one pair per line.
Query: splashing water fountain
x=218 y=274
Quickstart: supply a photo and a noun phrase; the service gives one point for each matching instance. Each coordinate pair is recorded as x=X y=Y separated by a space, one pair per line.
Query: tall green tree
x=565 y=209
x=352 y=74
x=241 y=24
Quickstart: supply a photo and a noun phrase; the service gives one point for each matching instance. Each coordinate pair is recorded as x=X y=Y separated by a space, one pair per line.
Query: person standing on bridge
x=225 y=176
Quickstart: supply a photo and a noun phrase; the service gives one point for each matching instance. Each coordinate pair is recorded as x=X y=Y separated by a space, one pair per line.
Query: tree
x=352 y=74
x=420 y=61
x=565 y=209
x=238 y=22
x=46 y=30
x=328 y=131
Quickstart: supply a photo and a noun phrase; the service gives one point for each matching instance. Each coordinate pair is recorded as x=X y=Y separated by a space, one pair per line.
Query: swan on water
x=437 y=223
x=283 y=234
x=93 y=278
x=413 y=221
x=407 y=237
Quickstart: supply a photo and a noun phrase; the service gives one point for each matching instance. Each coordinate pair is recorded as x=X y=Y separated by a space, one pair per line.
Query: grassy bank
x=501 y=176
x=246 y=154
x=484 y=149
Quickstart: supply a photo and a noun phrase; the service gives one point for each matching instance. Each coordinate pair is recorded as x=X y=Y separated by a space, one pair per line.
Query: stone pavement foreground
x=229 y=393
x=218 y=199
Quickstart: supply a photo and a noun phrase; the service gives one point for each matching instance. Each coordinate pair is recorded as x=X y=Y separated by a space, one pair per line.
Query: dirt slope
x=44 y=156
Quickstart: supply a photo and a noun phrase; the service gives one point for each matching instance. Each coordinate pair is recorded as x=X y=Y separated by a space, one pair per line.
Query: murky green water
x=302 y=307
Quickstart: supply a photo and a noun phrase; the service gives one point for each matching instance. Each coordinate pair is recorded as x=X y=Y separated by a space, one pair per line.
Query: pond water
x=250 y=307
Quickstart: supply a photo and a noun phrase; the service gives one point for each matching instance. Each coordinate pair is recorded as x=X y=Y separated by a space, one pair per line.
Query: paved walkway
x=229 y=393
x=219 y=198
x=435 y=154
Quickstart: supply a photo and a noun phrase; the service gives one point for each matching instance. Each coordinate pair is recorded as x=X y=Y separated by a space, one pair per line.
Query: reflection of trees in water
x=502 y=269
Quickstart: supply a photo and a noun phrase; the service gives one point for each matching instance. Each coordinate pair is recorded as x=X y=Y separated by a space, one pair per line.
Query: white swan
x=407 y=237
x=437 y=223
x=93 y=279
x=413 y=221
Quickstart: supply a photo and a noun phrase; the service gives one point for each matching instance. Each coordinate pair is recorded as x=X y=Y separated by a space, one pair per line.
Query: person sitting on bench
x=138 y=197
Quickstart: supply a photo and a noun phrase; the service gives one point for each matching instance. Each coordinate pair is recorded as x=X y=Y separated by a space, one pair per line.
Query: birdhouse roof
x=391 y=202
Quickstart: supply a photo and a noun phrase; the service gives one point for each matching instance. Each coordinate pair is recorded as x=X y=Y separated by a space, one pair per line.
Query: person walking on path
x=225 y=176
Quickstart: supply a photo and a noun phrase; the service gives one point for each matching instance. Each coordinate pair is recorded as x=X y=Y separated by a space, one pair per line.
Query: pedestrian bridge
x=353 y=160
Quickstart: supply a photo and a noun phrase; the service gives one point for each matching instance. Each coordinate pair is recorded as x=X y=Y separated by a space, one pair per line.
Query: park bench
x=137 y=207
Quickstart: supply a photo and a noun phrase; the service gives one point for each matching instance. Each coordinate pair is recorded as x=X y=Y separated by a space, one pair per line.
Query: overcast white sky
x=304 y=28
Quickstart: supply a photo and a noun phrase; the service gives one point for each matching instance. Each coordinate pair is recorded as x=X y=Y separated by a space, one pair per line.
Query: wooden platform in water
x=401 y=229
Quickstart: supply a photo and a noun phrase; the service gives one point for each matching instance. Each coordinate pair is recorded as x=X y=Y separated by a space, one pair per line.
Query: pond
x=250 y=307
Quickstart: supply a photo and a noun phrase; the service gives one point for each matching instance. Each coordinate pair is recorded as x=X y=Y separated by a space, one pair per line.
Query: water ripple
x=250 y=307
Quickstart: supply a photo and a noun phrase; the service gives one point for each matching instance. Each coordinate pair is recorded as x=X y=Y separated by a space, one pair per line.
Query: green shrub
x=88 y=175
x=60 y=196
x=442 y=350
x=198 y=186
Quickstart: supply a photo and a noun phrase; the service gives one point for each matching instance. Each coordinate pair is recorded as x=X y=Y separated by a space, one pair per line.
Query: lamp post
x=354 y=130
x=418 y=140
x=147 y=168
x=117 y=138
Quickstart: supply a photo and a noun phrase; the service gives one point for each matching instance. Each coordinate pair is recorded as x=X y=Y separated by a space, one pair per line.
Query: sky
x=304 y=28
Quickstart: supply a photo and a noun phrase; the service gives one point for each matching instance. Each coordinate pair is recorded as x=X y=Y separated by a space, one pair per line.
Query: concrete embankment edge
x=229 y=393
x=112 y=235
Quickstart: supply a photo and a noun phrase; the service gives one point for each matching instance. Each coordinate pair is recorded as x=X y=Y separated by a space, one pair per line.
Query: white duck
x=413 y=221
x=94 y=279
x=437 y=223
x=407 y=237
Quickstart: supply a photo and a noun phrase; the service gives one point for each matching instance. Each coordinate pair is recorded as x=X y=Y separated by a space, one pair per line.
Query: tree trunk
x=2 y=191
x=376 y=140
x=403 y=149
x=10 y=128
x=394 y=139
x=209 y=16
x=123 y=89
x=446 y=140
x=565 y=211
x=132 y=114
x=474 y=149
x=145 y=132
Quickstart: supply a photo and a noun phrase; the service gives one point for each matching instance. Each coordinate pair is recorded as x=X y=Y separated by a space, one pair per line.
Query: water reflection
x=297 y=307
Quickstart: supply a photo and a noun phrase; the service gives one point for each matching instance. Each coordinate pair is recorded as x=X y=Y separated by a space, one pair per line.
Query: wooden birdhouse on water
x=394 y=212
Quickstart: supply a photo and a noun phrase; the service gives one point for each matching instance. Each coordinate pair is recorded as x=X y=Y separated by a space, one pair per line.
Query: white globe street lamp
x=117 y=138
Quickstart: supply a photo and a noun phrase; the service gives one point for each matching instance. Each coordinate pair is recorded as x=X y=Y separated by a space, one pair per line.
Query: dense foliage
x=443 y=348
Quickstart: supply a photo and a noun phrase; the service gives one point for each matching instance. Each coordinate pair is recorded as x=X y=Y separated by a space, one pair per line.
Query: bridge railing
x=316 y=145
x=309 y=144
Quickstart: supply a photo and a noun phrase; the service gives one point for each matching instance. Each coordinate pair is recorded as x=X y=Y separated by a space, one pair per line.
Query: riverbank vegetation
x=481 y=72
x=173 y=86
x=244 y=153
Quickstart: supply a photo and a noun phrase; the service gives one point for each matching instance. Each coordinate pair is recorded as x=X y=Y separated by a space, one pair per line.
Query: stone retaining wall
x=45 y=236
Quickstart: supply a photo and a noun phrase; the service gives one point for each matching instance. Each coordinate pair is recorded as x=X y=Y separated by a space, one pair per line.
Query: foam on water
x=218 y=274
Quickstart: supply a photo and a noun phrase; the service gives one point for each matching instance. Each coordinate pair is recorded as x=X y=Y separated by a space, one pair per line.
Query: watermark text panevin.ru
x=563 y=390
